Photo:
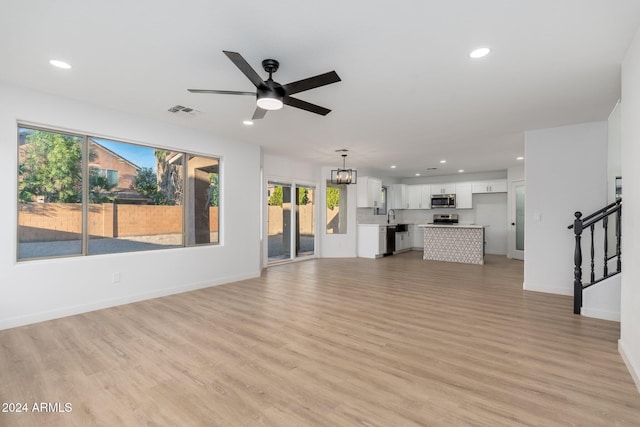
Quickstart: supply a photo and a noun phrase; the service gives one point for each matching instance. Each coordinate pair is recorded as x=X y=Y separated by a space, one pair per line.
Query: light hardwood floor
x=390 y=342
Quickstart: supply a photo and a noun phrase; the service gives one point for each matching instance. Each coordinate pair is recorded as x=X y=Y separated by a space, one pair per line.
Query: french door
x=291 y=221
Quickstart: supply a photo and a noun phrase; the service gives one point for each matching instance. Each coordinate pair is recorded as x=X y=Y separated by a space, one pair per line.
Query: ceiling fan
x=271 y=95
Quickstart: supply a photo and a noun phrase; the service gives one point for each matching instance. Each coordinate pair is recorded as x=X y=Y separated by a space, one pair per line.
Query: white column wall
x=566 y=171
x=630 y=284
x=338 y=245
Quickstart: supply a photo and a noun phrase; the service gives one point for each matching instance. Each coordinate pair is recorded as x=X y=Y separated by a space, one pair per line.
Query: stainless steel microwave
x=443 y=201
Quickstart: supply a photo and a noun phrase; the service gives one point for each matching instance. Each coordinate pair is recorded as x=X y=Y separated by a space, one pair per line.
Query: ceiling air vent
x=184 y=111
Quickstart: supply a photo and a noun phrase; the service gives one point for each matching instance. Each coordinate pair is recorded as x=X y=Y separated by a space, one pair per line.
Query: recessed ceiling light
x=59 y=64
x=480 y=52
x=247 y=122
x=443 y=161
x=417 y=174
x=520 y=158
x=460 y=170
x=393 y=166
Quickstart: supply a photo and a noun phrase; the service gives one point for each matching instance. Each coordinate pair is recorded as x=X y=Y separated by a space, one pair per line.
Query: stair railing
x=589 y=222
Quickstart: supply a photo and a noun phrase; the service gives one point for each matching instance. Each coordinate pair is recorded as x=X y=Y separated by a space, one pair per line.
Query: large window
x=81 y=195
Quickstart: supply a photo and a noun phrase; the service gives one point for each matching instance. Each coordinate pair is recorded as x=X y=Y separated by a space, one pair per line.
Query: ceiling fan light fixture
x=270 y=103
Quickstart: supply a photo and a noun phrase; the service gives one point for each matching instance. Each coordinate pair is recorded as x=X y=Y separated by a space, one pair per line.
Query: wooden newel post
x=577 y=259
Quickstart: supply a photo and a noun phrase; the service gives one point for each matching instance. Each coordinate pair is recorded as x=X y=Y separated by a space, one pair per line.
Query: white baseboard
x=491 y=252
x=563 y=290
x=600 y=314
x=633 y=369
x=14 y=322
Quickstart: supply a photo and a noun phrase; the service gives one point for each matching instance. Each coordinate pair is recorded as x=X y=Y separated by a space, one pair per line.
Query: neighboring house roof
x=115 y=154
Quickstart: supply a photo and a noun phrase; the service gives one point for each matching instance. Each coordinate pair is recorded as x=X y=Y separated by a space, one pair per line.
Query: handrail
x=588 y=223
x=617 y=202
x=600 y=217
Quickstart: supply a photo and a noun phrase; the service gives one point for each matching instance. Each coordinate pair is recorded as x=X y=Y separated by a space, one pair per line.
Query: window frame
x=85 y=141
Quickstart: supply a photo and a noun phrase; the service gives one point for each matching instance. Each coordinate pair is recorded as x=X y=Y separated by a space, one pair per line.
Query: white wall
x=602 y=300
x=566 y=171
x=44 y=289
x=630 y=287
x=338 y=245
x=614 y=152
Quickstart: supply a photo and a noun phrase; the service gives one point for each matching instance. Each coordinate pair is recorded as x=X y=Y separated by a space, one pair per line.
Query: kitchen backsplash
x=413 y=216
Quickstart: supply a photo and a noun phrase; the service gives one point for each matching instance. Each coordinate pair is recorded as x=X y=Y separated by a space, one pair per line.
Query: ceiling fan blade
x=259 y=113
x=244 y=66
x=222 y=92
x=312 y=82
x=304 y=105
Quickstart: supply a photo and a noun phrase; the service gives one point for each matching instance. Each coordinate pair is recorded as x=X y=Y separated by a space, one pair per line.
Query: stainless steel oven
x=443 y=201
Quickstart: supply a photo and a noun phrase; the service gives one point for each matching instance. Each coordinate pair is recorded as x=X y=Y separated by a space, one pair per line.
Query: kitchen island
x=454 y=243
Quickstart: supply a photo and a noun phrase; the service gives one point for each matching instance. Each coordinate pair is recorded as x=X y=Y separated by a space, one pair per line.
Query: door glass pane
x=279 y=217
x=49 y=194
x=336 y=208
x=305 y=220
x=520 y=217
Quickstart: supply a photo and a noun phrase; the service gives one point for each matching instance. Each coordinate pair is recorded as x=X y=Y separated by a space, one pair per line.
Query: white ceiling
x=409 y=95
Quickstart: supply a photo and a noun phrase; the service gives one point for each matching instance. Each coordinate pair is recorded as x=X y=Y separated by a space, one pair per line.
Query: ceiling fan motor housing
x=270 y=95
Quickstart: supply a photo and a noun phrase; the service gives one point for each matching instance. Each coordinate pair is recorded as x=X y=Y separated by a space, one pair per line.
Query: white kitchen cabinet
x=400 y=196
x=463 y=195
x=417 y=237
x=419 y=196
x=402 y=241
x=369 y=192
x=443 y=189
x=372 y=240
x=496 y=186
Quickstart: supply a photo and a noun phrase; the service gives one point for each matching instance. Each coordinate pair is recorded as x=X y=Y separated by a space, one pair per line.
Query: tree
x=276 y=196
x=100 y=188
x=168 y=179
x=51 y=168
x=146 y=184
x=333 y=197
x=303 y=196
x=214 y=190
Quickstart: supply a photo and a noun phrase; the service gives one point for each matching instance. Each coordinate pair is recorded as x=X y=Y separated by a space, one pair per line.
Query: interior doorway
x=516 y=220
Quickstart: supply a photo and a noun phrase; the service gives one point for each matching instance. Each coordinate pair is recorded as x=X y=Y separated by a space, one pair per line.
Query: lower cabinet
x=402 y=241
x=372 y=240
x=416 y=237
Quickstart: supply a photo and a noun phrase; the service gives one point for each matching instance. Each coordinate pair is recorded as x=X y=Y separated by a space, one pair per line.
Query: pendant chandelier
x=344 y=175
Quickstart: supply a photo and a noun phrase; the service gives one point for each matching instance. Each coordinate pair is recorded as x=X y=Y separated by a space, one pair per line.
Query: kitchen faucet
x=389 y=213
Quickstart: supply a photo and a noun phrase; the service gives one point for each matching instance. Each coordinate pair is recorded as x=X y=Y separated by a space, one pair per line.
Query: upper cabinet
x=369 y=192
x=419 y=196
x=443 y=189
x=400 y=196
x=463 y=195
x=496 y=186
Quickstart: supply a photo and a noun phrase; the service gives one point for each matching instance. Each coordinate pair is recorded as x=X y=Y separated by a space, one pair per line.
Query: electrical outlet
x=115 y=277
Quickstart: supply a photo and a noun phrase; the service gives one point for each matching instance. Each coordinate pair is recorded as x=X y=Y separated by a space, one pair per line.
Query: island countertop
x=451 y=225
